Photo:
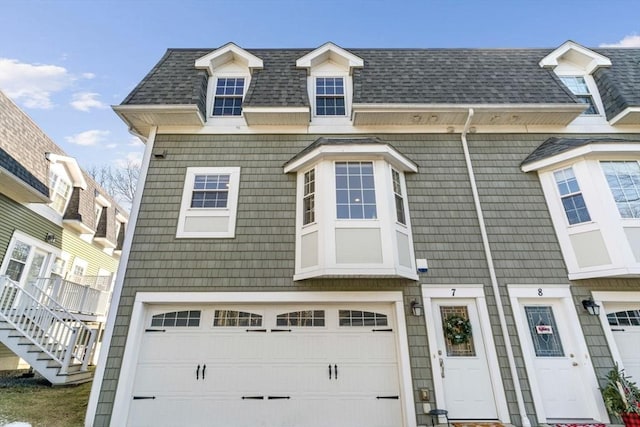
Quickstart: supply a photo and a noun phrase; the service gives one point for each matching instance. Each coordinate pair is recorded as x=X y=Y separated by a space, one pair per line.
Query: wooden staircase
x=56 y=343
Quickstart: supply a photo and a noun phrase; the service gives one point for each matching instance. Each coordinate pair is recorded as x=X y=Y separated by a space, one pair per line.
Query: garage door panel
x=152 y=377
x=245 y=378
x=238 y=346
x=171 y=346
x=366 y=344
x=628 y=342
x=299 y=345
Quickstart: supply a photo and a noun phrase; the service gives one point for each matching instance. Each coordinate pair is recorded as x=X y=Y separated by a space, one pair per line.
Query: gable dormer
x=575 y=65
x=329 y=81
x=229 y=68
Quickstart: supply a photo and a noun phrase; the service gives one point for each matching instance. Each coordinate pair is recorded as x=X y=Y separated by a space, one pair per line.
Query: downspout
x=492 y=273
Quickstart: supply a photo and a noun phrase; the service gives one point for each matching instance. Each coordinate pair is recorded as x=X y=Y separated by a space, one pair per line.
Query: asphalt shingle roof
x=407 y=76
x=553 y=146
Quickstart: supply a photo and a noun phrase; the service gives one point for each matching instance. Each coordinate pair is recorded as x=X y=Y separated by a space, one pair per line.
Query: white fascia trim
x=585 y=150
x=228 y=53
x=478 y=108
x=72 y=166
x=610 y=273
x=597 y=60
x=123 y=110
x=96 y=387
x=623 y=114
x=330 y=51
x=268 y=297
x=123 y=219
x=103 y=201
x=37 y=195
x=276 y=109
x=323 y=152
x=77 y=225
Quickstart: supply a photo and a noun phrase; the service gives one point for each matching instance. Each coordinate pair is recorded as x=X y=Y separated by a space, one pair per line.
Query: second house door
x=462 y=360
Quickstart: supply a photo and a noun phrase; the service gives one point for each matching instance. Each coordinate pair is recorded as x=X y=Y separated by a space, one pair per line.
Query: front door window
x=18 y=261
x=544 y=332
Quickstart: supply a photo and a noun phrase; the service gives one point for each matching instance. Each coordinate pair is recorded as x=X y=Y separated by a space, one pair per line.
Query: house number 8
x=540 y=292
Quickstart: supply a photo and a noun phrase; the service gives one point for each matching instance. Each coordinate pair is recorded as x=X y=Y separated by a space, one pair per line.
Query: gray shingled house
x=61 y=236
x=332 y=237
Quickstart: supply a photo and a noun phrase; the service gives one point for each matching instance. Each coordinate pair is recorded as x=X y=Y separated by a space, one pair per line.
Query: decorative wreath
x=457 y=329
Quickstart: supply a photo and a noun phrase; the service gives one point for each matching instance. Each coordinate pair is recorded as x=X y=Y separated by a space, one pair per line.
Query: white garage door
x=271 y=366
x=625 y=326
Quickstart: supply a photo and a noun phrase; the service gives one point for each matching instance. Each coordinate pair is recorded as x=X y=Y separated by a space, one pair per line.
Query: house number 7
x=453 y=292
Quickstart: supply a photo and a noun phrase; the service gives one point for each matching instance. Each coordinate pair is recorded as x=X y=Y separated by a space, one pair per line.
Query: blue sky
x=65 y=62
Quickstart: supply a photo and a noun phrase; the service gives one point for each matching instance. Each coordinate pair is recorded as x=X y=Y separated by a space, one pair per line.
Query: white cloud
x=88 y=76
x=111 y=146
x=134 y=141
x=89 y=137
x=132 y=158
x=32 y=84
x=84 y=101
x=632 y=40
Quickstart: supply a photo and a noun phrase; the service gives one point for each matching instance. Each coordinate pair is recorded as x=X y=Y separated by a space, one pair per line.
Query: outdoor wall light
x=416 y=308
x=50 y=238
x=591 y=306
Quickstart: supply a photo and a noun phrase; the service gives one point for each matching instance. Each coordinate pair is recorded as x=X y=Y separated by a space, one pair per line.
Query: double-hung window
x=578 y=86
x=330 y=96
x=60 y=191
x=210 y=191
x=623 y=179
x=228 y=96
x=398 y=196
x=355 y=190
x=309 y=201
x=572 y=201
x=209 y=202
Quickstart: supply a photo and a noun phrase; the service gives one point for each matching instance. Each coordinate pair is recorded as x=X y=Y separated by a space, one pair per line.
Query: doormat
x=580 y=425
x=473 y=424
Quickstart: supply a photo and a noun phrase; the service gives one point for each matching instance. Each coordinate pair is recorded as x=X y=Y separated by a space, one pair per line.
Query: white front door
x=464 y=369
x=557 y=363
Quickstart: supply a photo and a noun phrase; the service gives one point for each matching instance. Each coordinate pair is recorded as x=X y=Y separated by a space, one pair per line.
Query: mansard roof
x=400 y=76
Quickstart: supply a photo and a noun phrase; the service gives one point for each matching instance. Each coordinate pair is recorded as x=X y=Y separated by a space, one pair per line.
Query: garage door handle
x=281 y=330
x=143 y=397
x=256 y=330
x=617 y=330
x=198 y=372
x=204 y=368
x=335 y=370
x=252 y=397
x=278 y=397
x=388 y=397
x=329 y=371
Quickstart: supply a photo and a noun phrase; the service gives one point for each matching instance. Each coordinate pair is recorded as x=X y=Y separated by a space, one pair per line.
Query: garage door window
x=624 y=318
x=301 y=318
x=362 y=318
x=177 y=318
x=236 y=318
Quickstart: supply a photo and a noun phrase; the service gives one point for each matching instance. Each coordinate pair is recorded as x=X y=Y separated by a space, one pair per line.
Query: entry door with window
x=556 y=361
x=23 y=264
x=464 y=369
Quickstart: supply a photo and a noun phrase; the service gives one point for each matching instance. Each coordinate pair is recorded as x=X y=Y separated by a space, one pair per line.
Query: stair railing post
x=89 y=349
x=69 y=351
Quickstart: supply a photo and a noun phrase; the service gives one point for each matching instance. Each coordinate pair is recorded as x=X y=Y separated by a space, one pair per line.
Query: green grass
x=41 y=405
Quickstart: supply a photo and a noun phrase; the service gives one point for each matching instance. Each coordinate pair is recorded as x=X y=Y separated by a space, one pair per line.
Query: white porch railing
x=46 y=324
x=75 y=297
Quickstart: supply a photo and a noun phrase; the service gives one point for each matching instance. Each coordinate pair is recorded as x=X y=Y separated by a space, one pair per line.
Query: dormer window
x=330 y=96
x=579 y=88
x=228 y=97
x=60 y=190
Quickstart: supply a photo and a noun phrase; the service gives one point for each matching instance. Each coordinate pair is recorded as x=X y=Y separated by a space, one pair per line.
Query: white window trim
x=79 y=262
x=326 y=221
x=61 y=174
x=560 y=196
x=348 y=94
x=211 y=92
x=34 y=243
x=144 y=300
x=230 y=211
x=604 y=214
